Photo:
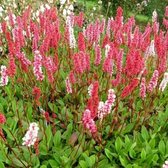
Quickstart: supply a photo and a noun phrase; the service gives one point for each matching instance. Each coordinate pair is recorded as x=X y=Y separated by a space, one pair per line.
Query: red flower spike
x=2 y=119
x=130 y=88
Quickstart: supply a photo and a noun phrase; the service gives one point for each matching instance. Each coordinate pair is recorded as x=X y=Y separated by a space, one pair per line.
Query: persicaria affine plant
x=68 y=87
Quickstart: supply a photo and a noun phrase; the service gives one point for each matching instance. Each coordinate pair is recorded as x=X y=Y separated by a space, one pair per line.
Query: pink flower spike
x=90 y=89
x=153 y=82
x=97 y=55
x=88 y=122
x=130 y=88
x=81 y=42
x=37 y=66
x=109 y=102
x=164 y=82
x=154 y=16
x=2 y=118
x=165 y=165
x=4 y=76
x=166 y=11
x=143 y=88
x=105 y=108
x=68 y=85
x=31 y=135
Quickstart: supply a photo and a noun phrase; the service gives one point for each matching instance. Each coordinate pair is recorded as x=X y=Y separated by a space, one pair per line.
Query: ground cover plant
x=79 y=94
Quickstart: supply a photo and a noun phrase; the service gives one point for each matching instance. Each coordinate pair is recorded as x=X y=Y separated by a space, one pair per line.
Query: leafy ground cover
x=77 y=93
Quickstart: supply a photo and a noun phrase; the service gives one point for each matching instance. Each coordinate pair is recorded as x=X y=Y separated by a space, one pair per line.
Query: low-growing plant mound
x=83 y=96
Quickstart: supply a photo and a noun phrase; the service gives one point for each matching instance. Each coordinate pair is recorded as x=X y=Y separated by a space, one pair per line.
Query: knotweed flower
x=50 y=68
x=25 y=63
x=36 y=92
x=108 y=27
x=143 y=88
x=69 y=24
x=108 y=65
x=88 y=122
x=134 y=63
x=164 y=82
x=2 y=118
x=166 y=11
x=97 y=55
x=90 y=89
x=101 y=112
x=165 y=165
x=150 y=50
x=2 y=134
x=105 y=108
x=68 y=85
x=36 y=147
x=130 y=88
x=93 y=101
x=37 y=66
x=154 y=16
x=11 y=66
x=72 y=77
x=31 y=135
x=153 y=82
x=4 y=76
x=107 y=49
x=81 y=42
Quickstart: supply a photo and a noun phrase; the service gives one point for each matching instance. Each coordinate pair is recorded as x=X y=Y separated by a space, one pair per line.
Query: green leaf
x=8 y=92
x=43 y=166
x=83 y=164
x=128 y=128
x=65 y=159
x=53 y=163
x=102 y=163
x=77 y=152
x=57 y=139
x=9 y=135
x=68 y=133
x=166 y=147
x=162 y=147
x=14 y=108
x=123 y=161
x=49 y=135
x=35 y=161
x=108 y=154
x=127 y=143
x=152 y=143
x=2 y=165
x=132 y=153
x=155 y=158
x=19 y=163
x=61 y=102
x=53 y=107
x=29 y=111
x=129 y=166
x=143 y=154
x=42 y=148
x=93 y=159
x=118 y=144
x=144 y=133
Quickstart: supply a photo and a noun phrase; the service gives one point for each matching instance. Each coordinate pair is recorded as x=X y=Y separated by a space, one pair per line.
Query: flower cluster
x=37 y=69
x=105 y=108
x=88 y=121
x=4 y=76
x=153 y=82
x=143 y=88
x=165 y=165
x=31 y=135
x=2 y=118
x=164 y=82
x=68 y=85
